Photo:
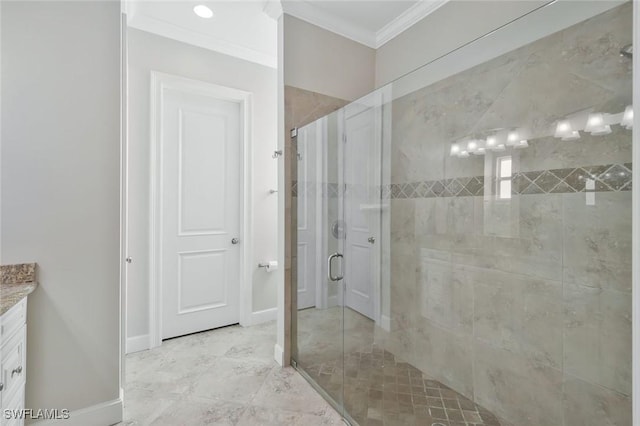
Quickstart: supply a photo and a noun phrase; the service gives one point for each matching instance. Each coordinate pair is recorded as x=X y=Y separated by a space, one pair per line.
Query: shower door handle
x=330 y=267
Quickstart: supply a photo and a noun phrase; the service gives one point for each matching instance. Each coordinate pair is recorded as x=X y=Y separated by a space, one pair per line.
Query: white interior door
x=307 y=190
x=201 y=170
x=362 y=209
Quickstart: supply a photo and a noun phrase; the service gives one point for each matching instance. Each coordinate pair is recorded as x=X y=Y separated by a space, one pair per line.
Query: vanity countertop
x=16 y=283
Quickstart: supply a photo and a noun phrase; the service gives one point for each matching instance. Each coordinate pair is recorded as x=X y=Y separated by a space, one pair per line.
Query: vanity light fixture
x=596 y=125
x=594 y=121
x=203 y=11
x=492 y=141
x=455 y=149
x=472 y=146
x=512 y=138
x=563 y=129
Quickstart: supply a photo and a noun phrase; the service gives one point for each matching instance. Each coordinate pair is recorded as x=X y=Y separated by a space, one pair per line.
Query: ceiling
x=247 y=29
x=370 y=22
x=370 y=17
x=238 y=28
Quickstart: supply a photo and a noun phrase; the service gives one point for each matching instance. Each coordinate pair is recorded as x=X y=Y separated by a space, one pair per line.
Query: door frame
x=159 y=82
x=322 y=213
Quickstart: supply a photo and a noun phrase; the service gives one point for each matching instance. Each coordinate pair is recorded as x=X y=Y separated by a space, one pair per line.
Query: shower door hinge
x=294 y=132
x=294 y=364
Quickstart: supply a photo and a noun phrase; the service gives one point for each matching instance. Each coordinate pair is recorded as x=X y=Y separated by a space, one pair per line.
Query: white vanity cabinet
x=13 y=357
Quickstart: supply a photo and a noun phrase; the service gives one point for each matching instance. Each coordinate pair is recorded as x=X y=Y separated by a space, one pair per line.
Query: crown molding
x=407 y=19
x=305 y=10
x=175 y=32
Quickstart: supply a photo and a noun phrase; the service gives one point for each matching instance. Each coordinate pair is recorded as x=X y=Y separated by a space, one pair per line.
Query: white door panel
x=307 y=226
x=362 y=221
x=200 y=186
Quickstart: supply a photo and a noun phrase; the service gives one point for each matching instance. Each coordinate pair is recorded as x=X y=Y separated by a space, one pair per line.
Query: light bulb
x=203 y=11
x=491 y=141
x=563 y=129
x=595 y=120
x=595 y=125
x=455 y=148
x=472 y=145
x=512 y=138
x=627 y=117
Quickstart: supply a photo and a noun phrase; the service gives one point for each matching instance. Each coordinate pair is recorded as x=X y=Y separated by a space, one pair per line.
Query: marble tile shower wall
x=524 y=304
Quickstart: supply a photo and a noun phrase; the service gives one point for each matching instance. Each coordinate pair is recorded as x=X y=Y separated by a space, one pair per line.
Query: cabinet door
x=13 y=366
x=14 y=410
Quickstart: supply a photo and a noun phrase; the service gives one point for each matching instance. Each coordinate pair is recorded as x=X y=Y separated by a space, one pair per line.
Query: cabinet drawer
x=13 y=319
x=13 y=369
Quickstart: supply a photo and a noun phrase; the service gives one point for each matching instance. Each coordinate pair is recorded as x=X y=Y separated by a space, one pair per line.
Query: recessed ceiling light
x=203 y=11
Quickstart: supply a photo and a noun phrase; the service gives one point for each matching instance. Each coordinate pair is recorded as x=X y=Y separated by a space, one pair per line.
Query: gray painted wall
x=451 y=26
x=60 y=192
x=320 y=61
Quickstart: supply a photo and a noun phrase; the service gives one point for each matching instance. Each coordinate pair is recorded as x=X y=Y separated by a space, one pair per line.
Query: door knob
x=235 y=241
x=371 y=240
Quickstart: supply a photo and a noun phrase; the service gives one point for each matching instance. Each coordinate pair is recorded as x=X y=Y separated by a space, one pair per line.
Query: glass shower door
x=317 y=258
x=341 y=210
x=364 y=207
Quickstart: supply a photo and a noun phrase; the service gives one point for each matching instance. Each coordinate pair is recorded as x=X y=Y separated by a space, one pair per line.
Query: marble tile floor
x=220 y=377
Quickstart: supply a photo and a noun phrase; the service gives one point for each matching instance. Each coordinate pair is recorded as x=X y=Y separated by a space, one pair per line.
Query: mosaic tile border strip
x=329 y=190
x=606 y=178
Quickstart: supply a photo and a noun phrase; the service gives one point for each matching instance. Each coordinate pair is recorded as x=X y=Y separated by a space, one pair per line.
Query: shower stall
x=463 y=234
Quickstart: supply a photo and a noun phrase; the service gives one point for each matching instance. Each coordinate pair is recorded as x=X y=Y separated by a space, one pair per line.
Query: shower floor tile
x=381 y=391
x=378 y=389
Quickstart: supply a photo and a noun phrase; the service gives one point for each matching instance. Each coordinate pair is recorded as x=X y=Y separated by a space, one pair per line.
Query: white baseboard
x=278 y=354
x=103 y=414
x=265 y=315
x=138 y=343
x=385 y=323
